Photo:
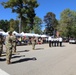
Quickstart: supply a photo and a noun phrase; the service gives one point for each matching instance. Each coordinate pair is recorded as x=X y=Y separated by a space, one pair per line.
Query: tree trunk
x=20 y=24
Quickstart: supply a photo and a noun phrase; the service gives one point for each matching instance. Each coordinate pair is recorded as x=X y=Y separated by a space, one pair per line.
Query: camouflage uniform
x=1 y=44
x=14 y=42
x=33 y=43
x=8 y=44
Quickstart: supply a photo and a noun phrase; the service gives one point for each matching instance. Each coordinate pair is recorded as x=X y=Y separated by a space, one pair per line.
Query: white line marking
x=3 y=72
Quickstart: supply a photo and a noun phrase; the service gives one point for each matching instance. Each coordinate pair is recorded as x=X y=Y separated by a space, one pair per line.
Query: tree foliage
x=24 y=9
x=4 y=24
x=12 y=24
x=51 y=22
x=68 y=23
x=37 y=25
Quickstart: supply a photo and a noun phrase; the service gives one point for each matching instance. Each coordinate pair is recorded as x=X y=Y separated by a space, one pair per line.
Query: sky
x=45 y=6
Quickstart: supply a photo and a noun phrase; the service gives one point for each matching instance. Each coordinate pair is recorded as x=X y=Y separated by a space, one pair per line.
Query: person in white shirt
x=60 y=41
x=57 y=41
x=49 y=39
x=52 y=41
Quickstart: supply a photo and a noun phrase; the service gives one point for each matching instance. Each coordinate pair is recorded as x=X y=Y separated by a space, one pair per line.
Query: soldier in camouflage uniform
x=8 y=44
x=1 y=44
x=14 y=42
x=33 y=42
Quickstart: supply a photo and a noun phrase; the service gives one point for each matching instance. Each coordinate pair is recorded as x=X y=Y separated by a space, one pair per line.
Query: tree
x=16 y=26
x=23 y=8
x=51 y=23
x=4 y=24
x=37 y=25
x=68 y=23
x=12 y=25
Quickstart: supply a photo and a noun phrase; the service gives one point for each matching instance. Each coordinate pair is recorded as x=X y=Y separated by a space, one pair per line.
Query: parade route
x=44 y=60
x=3 y=72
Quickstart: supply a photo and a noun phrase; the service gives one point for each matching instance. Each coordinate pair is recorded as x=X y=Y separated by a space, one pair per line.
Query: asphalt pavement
x=44 y=60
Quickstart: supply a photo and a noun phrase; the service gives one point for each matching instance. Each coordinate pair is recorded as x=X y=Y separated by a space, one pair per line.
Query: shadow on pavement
x=2 y=59
x=23 y=60
x=63 y=46
x=39 y=48
x=16 y=56
x=24 y=51
x=59 y=46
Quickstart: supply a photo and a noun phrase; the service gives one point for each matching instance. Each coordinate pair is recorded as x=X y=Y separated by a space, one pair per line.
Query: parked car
x=65 y=39
x=72 y=41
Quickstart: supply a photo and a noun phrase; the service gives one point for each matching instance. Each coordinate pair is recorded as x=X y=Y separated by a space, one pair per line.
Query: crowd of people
x=57 y=41
x=11 y=43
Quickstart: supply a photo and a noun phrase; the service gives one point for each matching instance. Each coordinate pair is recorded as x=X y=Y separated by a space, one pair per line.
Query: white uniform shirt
x=49 y=39
x=60 y=39
x=57 y=39
x=52 y=39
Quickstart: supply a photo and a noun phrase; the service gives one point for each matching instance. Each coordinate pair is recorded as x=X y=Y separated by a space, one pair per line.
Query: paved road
x=42 y=61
